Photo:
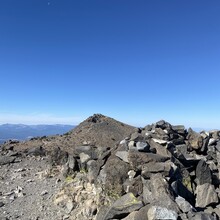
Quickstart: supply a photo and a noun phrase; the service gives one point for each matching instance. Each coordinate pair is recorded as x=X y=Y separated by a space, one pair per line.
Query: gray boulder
x=157 y=191
x=203 y=173
x=156 y=167
x=183 y=204
x=195 y=139
x=205 y=195
x=137 y=159
x=116 y=172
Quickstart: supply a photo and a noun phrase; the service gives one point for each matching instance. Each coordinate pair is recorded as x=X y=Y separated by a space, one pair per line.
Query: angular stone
x=116 y=172
x=157 y=191
x=148 y=196
x=203 y=173
x=93 y=168
x=136 y=158
x=142 y=146
x=181 y=150
x=158 y=212
x=205 y=195
x=161 y=150
x=183 y=204
x=156 y=167
x=122 y=155
x=123 y=206
x=195 y=139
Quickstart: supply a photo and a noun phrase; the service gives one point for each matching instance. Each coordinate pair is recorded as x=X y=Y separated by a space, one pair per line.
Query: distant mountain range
x=24 y=132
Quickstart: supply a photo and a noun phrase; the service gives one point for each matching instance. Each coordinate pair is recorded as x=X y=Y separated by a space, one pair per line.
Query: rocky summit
x=105 y=169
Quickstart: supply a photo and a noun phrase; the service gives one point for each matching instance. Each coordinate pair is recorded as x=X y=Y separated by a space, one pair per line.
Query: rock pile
x=160 y=171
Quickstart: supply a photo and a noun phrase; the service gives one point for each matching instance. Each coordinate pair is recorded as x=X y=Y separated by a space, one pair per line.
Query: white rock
x=157 y=212
x=159 y=141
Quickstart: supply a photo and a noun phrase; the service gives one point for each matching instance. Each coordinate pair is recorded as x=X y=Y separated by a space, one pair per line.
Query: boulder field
x=160 y=171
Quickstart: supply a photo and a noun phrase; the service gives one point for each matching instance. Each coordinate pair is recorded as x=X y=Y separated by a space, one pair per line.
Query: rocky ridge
x=160 y=171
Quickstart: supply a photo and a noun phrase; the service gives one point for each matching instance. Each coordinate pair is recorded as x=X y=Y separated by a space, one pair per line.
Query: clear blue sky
x=136 y=61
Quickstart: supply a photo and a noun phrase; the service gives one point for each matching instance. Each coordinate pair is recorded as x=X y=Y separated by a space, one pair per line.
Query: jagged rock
x=116 y=172
x=195 y=139
x=205 y=195
x=6 y=160
x=136 y=158
x=122 y=155
x=181 y=151
x=156 y=191
x=183 y=204
x=142 y=146
x=203 y=173
x=160 y=150
x=93 y=170
x=156 y=167
x=148 y=196
x=158 y=212
x=2 y=204
x=122 y=207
